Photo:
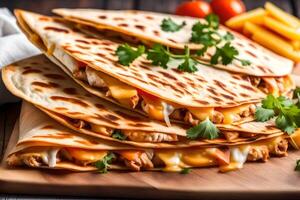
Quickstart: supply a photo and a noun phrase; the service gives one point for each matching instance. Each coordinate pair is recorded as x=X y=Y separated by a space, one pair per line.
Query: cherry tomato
x=226 y=9
x=194 y=9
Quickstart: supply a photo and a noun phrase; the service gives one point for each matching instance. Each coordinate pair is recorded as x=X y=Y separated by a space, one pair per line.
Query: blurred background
x=45 y=6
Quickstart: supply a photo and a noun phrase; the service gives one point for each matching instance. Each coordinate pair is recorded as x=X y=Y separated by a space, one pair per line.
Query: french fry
x=254 y=16
x=282 y=16
x=281 y=28
x=295 y=44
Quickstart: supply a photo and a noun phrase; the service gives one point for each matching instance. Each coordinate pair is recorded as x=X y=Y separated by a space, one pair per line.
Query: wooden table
x=9 y=112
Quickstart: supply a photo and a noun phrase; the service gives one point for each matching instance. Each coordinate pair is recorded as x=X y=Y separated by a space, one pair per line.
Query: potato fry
x=296 y=44
x=282 y=16
x=255 y=16
x=281 y=28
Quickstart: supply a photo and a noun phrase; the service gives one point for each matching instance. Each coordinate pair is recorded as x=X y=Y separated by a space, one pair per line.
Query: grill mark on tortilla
x=130 y=117
x=82 y=41
x=82 y=47
x=55 y=76
x=168 y=75
x=123 y=25
x=70 y=91
x=170 y=39
x=99 y=106
x=210 y=89
x=68 y=99
x=31 y=71
x=149 y=17
x=141 y=27
x=74 y=113
x=245 y=95
x=61 y=30
x=102 y=17
x=101 y=118
x=44 y=18
x=201 y=101
x=216 y=98
x=55 y=136
x=156 y=33
x=248 y=87
x=227 y=96
x=45 y=85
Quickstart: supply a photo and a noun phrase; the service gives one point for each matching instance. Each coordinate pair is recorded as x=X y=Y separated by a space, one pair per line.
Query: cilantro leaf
x=264 y=114
x=158 y=55
x=128 y=54
x=168 y=25
x=286 y=112
x=189 y=64
x=206 y=129
x=213 y=21
x=117 y=134
x=228 y=36
x=226 y=53
x=296 y=93
x=297 y=168
x=186 y=171
x=102 y=165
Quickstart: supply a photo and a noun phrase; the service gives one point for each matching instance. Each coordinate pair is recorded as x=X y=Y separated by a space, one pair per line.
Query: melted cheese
x=202 y=113
x=154 y=108
x=49 y=156
x=172 y=160
x=122 y=92
x=200 y=158
x=100 y=129
x=295 y=139
x=87 y=155
x=130 y=154
x=231 y=113
x=238 y=156
x=50 y=50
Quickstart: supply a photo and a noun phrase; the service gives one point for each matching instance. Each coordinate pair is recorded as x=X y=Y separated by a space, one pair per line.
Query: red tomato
x=194 y=9
x=146 y=94
x=226 y=9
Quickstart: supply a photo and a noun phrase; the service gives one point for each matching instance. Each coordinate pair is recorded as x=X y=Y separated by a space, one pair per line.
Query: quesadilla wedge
x=158 y=93
x=39 y=81
x=147 y=28
x=43 y=143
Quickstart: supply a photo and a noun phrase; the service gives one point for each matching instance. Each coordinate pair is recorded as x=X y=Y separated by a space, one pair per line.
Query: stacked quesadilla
x=94 y=112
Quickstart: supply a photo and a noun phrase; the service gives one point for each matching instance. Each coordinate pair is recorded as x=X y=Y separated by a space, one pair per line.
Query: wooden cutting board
x=274 y=179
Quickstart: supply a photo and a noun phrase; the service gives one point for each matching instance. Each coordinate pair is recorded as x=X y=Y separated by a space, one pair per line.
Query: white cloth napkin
x=13 y=47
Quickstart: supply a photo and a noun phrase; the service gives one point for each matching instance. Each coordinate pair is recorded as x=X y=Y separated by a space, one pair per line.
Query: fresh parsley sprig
x=206 y=129
x=117 y=134
x=186 y=171
x=287 y=113
x=162 y=56
x=102 y=165
x=128 y=54
x=206 y=33
x=168 y=25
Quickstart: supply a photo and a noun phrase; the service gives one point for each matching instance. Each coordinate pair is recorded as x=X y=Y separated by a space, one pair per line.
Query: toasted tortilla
x=145 y=26
x=39 y=81
x=171 y=85
x=42 y=139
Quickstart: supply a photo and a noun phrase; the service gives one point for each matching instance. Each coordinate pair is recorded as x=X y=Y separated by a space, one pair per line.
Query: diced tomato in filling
x=222 y=157
x=81 y=65
x=146 y=94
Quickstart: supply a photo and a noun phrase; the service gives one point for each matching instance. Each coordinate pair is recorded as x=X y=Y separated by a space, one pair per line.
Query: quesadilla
x=158 y=93
x=146 y=27
x=43 y=143
x=39 y=81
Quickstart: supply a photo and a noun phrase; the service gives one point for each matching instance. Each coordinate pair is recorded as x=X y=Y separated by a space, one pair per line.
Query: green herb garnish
x=102 y=165
x=117 y=134
x=186 y=171
x=128 y=54
x=168 y=25
x=207 y=34
x=206 y=129
x=287 y=113
x=297 y=168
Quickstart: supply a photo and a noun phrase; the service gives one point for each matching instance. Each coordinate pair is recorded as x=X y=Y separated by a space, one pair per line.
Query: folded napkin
x=13 y=46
